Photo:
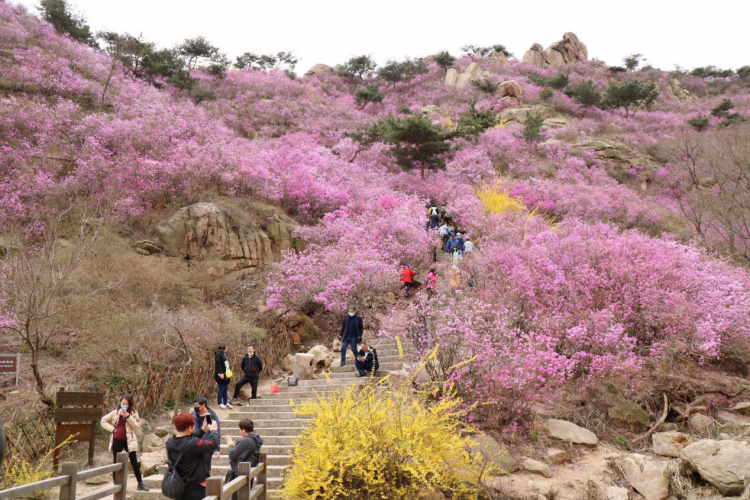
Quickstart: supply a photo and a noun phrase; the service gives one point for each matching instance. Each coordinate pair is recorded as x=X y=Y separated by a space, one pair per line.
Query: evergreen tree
x=445 y=60
x=369 y=94
x=722 y=110
x=476 y=121
x=195 y=49
x=415 y=142
x=585 y=94
x=630 y=96
x=632 y=61
x=60 y=15
x=532 y=128
x=485 y=86
x=360 y=67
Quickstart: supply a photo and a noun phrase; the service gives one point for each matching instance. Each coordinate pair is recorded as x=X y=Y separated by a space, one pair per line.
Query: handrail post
x=68 y=491
x=215 y=487
x=121 y=476
x=244 y=469
x=262 y=476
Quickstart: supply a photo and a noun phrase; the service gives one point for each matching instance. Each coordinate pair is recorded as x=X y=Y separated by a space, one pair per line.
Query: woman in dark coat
x=221 y=365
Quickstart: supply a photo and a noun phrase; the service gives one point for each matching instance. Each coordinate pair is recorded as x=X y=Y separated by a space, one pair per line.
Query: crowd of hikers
x=197 y=437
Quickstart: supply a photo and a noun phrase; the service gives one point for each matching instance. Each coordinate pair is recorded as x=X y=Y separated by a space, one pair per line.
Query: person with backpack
x=251 y=367
x=222 y=375
x=430 y=283
x=468 y=246
x=445 y=214
x=246 y=450
x=451 y=244
x=434 y=216
x=187 y=456
x=407 y=278
x=460 y=242
x=122 y=424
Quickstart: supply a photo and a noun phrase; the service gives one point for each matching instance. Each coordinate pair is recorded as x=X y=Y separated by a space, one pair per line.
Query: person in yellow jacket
x=122 y=425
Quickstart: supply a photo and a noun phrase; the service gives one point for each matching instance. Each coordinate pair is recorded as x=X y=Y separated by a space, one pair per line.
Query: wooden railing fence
x=164 y=385
x=69 y=478
x=31 y=438
x=216 y=489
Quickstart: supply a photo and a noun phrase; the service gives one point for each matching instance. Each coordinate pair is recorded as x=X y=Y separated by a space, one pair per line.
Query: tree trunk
x=106 y=86
x=40 y=387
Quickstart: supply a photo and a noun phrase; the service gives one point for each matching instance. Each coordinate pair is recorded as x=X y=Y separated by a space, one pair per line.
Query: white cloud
x=667 y=32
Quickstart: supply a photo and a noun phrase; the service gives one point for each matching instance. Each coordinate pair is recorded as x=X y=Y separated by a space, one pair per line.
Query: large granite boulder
x=724 y=464
x=570 y=432
x=319 y=70
x=319 y=353
x=451 y=76
x=650 y=478
x=669 y=444
x=568 y=50
x=204 y=231
x=497 y=58
x=511 y=88
x=535 y=56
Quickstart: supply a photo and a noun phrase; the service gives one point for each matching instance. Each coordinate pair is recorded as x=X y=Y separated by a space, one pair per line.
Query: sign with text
x=10 y=363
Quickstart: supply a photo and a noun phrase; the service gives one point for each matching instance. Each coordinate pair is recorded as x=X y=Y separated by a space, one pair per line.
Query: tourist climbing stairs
x=276 y=422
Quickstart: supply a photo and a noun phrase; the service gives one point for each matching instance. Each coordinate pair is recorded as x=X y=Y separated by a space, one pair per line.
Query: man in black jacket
x=367 y=360
x=251 y=367
x=352 y=329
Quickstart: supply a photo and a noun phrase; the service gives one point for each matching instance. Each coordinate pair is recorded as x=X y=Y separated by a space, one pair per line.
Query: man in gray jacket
x=246 y=450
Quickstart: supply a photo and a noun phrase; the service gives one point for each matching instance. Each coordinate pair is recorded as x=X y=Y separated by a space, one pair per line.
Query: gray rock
x=724 y=464
x=547 y=489
x=743 y=408
x=152 y=442
x=700 y=422
x=161 y=431
x=556 y=456
x=570 y=432
x=649 y=478
x=451 y=76
x=494 y=453
x=669 y=444
x=536 y=467
x=616 y=493
x=288 y=363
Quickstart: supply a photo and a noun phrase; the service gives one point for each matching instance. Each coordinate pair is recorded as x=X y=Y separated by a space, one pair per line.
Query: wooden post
x=68 y=492
x=121 y=476
x=244 y=470
x=215 y=486
x=262 y=476
x=92 y=442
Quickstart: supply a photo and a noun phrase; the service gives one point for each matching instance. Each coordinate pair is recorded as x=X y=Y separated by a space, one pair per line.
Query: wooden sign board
x=10 y=363
x=76 y=416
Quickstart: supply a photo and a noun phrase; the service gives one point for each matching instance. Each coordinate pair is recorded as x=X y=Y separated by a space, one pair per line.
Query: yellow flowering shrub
x=497 y=199
x=18 y=471
x=373 y=442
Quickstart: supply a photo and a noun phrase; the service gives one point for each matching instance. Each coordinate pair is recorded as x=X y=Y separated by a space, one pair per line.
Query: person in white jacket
x=122 y=425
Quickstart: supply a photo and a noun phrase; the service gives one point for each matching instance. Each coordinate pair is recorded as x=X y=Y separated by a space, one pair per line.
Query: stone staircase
x=276 y=422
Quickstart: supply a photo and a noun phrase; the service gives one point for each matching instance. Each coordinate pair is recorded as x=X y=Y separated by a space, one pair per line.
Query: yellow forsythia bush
x=371 y=442
x=497 y=199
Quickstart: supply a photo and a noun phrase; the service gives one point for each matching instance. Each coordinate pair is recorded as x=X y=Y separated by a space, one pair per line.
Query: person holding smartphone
x=193 y=453
x=122 y=424
x=202 y=415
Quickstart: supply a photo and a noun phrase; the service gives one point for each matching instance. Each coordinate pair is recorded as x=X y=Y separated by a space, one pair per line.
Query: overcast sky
x=668 y=32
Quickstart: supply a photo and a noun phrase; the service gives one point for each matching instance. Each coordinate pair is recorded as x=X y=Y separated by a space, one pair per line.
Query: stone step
x=384 y=367
x=271 y=440
x=275 y=475
x=270 y=431
x=271 y=459
x=263 y=424
x=282 y=415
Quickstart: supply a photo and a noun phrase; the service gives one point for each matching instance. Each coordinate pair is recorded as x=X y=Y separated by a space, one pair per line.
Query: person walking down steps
x=122 y=425
x=222 y=375
x=407 y=278
x=251 y=367
x=352 y=328
x=430 y=283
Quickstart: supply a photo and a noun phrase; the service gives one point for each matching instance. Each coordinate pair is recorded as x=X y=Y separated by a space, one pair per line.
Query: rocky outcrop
x=497 y=58
x=451 y=76
x=566 y=51
x=205 y=231
x=724 y=464
x=648 y=477
x=519 y=114
x=319 y=70
x=152 y=442
x=570 y=432
x=535 y=56
x=675 y=89
x=511 y=88
x=321 y=356
x=555 y=456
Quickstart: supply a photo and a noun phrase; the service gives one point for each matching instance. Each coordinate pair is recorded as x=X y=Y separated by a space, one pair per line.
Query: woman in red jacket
x=407 y=275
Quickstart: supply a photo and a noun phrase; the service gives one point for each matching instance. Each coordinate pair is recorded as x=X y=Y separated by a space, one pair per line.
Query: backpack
x=173 y=485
